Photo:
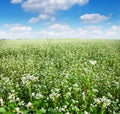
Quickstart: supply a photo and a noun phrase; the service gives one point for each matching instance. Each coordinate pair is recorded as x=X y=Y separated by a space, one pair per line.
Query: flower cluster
x=28 y=79
x=104 y=101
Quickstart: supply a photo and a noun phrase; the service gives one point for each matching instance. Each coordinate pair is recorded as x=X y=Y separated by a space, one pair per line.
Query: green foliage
x=68 y=76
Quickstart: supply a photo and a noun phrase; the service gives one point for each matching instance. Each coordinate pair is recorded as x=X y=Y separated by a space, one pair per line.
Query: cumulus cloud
x=19 y=28
x=15 y=35
x=72 y=33
x=15 y=31
x=115 y=28
x=113 y=31
x=47 y=8
x=50 y=6
x=41 y=17
x=93 y=18
x=53 y=31
x=16 y=1
x=60 y=31
x=59 y=27
x=2 y=32
x=92 y=27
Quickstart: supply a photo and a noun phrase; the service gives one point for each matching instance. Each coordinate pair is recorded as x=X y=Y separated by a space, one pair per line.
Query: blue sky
x=59 y=19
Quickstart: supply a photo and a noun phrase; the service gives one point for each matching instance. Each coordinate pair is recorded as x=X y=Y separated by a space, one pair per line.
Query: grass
x=60 y=76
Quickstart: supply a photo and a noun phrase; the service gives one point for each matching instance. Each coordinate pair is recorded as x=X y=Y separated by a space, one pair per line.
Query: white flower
x=67 y=75
x=33 y=94
x=61 y=109
x=17 y=99
x=73 y=100
x=27 y=79
x=11 y=97
x=1 y=102
x=29 y=105
x=67 y=113
x=95 y=90
x=106 y=102
x=93 y=62
x=56 y=108
x=17 y=110
x=70 y=88
x=93 y=105
x=85 y=112
x=54 y=95
x=65 y=106
x=75 y=85
x=38 y=96
x=21 y=103
x=97 y=100
x=83 y=95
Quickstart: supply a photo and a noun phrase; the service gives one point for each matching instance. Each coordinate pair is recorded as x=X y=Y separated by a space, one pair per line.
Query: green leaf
x=2 y=110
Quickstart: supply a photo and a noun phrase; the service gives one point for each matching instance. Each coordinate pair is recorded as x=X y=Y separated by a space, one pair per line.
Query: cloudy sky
x=59 y=19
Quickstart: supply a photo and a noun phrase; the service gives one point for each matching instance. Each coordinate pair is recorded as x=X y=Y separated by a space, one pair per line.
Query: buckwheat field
x=68 y=76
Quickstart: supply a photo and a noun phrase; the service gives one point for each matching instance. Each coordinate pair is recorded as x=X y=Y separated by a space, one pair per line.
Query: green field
x=68 y=76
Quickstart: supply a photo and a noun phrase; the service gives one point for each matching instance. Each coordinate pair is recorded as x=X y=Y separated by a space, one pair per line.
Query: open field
x=60 y=76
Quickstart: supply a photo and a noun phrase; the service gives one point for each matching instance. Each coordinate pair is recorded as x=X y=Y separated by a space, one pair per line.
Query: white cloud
x=33 y=20
x=60 y=31
x=115 y=28
x=11 y=35
x=94 y=29
x=93 y=18
x=59 y=27
x=47 y=8
x=16 y=31
x=16 y=1
x=114 y=31
x=19 y=28
x=50 y=6
x=2 y=32
x=41 y=17
x=64 y=31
